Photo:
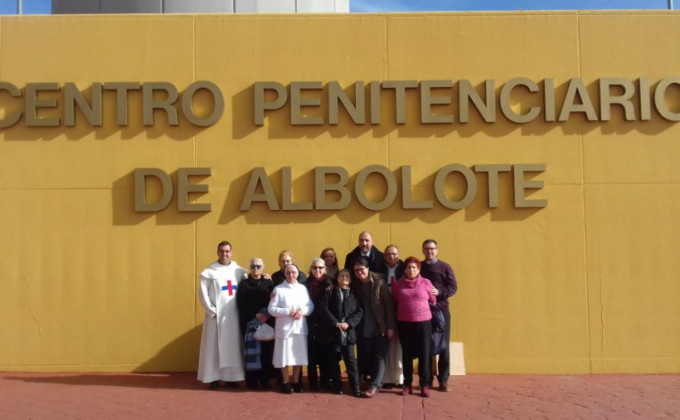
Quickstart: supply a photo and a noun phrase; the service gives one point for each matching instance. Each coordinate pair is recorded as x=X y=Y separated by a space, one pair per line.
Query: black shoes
x=214 y=384
x=287 y=388
x=297 y=387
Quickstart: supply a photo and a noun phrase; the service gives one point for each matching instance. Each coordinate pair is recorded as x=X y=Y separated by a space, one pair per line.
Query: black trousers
x=318 y=350
x=258 y=378
x=347 y=353
x=372 y=353
x=416 y=342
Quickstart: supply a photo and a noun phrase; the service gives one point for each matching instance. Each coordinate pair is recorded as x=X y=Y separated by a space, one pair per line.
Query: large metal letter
x=427 y=100
x=568 y=106
x=73 y=96
x=188 y=108
x=400 y=87
x=140 y=189
x=492 y=171
x=321 y=187
x=521 y=184
x=467 y=93
x=360 y=192
x=149 y=102
x=259 y=177
x=660 y=98
x=406 y=199
x=607 y=99
x=13 y=118
x=122 y=89
x=184 y=188
x=287 y=192
x=297 y=102
x=356 y=111
x=32 y=104
x=506 y=107
x=439 y=189
x=261 y=105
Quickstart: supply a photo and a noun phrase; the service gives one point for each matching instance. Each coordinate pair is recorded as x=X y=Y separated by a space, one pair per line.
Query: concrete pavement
x=54 y=396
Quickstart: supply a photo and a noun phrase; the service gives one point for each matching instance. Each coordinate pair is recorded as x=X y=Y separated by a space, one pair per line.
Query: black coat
x=335 y=310
x=375 y=261
x=380 y=300
x=316 y=329
x=252 y=297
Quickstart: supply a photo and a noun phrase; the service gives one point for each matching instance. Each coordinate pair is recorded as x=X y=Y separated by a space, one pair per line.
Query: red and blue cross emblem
x=230 y=287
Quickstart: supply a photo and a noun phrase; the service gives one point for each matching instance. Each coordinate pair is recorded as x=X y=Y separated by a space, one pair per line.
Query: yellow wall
x=587 y=284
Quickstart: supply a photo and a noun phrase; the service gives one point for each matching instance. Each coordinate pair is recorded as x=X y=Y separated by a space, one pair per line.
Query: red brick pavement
x=54 y=396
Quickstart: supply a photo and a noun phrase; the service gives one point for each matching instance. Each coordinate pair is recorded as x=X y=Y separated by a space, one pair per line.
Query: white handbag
x=264 y=333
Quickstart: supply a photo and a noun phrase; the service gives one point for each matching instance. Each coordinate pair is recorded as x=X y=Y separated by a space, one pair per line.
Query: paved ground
x=54 y=396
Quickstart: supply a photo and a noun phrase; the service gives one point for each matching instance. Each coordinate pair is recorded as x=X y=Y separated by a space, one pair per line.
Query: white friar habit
x=221 y=356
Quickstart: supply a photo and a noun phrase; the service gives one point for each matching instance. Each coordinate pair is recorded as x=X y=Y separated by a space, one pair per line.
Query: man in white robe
x=221 y=356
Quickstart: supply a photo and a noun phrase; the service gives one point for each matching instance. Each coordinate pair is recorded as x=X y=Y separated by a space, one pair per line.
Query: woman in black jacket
x=342 y=312
x=252 y=299
x=317 y=338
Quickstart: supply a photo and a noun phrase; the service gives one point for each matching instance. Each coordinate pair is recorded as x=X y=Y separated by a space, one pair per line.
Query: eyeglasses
x=258 y=266
x=429 y=249
x=318 y=268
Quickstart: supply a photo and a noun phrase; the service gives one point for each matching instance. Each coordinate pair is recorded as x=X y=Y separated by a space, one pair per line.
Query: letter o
x=469 y=179
x=660 y=98
x=187 y=103
x=391 y=187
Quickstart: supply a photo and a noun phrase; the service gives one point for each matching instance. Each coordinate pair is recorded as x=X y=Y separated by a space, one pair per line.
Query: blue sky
x=44 y=6
x=9 y=7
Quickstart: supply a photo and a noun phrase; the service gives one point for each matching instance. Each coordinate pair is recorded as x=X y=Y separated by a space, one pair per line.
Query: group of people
x=377 y=302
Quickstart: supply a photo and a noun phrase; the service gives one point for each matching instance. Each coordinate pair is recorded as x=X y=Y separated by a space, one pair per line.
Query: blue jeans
x=444 y=364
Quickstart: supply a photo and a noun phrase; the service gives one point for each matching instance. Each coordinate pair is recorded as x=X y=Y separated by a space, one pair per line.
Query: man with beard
x=444 y=286
x=220 y=357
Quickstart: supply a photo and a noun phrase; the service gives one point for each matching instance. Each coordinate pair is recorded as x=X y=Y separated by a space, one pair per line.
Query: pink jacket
x=411 y=298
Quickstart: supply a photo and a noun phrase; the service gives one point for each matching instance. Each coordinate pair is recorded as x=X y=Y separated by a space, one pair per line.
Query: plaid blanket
x=252 y=347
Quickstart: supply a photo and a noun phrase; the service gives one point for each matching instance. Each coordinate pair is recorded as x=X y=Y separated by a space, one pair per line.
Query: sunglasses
x=255 y=266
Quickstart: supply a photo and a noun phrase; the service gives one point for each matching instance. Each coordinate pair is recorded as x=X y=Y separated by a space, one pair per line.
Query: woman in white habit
x=290 y=303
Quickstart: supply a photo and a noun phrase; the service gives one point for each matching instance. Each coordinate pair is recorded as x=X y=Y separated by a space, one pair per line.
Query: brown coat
x=381 y=302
